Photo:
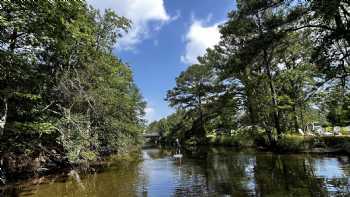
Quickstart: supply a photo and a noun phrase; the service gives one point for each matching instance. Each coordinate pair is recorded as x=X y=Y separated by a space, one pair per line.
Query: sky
x=166 y=37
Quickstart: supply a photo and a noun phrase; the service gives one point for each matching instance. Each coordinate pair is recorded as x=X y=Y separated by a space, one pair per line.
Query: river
x=205 y=172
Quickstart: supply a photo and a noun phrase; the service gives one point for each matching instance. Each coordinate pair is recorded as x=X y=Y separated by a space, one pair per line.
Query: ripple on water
x=217 y=172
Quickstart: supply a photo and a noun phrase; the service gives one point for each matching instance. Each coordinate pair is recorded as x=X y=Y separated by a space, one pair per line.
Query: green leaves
x=29 y=96
x=33 y=127
x=60 y=78
x=277 y=64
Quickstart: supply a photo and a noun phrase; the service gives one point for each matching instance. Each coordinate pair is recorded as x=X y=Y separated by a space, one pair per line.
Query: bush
x=291 y=143
x=232 y=140
x=345 y=130
x=88 y=155
x=193 y=141
x=76 y=137
x=335 y=141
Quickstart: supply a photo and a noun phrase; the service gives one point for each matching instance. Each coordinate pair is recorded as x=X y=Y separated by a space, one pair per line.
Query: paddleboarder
x=178 y=146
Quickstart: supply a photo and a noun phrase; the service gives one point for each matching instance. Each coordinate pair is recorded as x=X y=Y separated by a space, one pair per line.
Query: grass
x=335 y=141
x=287 y=143
x=297 y=143
x=232 y=140
x=294 y=143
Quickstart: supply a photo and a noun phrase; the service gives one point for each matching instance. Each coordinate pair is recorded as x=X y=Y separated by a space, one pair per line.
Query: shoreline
x=289 y=144
x=71 y=169
x=88 y=167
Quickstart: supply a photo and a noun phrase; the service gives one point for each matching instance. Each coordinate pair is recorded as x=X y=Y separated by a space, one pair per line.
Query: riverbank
x=290 y=143
x=212 y=171
x=28 y=167
x=75 y=177
x=21 y=167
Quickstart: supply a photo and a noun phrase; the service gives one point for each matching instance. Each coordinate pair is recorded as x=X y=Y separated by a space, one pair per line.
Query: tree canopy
x=61 y=87
x=279 y=67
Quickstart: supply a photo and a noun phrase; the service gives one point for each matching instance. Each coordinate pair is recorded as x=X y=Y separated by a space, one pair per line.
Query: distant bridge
x=152 y=137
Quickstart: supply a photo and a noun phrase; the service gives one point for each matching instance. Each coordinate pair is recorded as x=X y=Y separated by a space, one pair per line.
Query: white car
x=317 y=128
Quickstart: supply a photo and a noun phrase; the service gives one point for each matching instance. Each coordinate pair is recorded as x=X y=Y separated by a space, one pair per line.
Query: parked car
x=317 y=128
x=336 y=130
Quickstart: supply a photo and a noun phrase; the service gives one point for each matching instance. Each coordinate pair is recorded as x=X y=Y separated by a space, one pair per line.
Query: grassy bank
x=314 y=144
x=229 y=140
x=290 y=143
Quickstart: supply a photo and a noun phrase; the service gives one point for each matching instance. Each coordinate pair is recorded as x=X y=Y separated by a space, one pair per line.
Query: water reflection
x=208 y=172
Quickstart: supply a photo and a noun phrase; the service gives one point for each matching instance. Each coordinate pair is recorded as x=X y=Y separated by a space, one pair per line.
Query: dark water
x=213 y=172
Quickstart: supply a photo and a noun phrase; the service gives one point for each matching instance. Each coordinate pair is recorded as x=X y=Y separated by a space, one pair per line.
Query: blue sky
x=166 y=37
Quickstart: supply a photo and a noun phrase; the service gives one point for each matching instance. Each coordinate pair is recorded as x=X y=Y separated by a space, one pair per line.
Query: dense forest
x=64 y=96
x=281 y=67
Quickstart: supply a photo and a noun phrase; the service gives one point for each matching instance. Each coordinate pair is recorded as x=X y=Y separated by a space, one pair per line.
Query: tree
x=193 y=90
x=250 y=38
x=174 y=126
x=61 y=85
x=263 y=73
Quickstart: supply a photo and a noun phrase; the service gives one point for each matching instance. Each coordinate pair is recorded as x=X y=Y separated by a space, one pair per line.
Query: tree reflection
x=266 y=174
x=209 y=172
x=280 y=175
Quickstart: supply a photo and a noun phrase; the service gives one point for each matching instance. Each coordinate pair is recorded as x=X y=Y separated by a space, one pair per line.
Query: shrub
x=335 y=141
x=291 y=143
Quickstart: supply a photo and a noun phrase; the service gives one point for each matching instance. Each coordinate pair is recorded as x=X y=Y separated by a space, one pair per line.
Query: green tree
x=192 y=92
x=61 y=85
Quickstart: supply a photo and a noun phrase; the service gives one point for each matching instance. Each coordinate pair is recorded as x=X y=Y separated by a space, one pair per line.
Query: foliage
x=280 y=66
x=291 y=143
x=172 y=127
x=60 y=78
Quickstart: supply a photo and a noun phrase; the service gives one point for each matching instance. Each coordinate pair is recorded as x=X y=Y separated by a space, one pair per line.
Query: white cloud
x=198 y=39
x=150 y=114
x=141 y=12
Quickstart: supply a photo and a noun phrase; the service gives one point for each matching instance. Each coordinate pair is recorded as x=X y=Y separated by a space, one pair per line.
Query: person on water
x=178 y=146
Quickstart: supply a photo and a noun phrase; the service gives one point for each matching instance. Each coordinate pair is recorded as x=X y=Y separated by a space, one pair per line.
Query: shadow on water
x=205 y=172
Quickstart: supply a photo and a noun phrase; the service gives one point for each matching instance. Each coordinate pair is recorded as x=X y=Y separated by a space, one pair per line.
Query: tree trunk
x=275 y=113
x=3 y=118
x=302 y=119
x=202 y=130
x=270 y=138
x=341 y=28
x=249 y=95
x=266 y=63
x=295 y=117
